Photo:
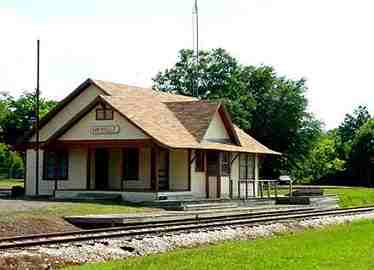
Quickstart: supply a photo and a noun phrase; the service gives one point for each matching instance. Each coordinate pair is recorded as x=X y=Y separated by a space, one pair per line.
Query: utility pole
x=195 y=19
x=37 y=94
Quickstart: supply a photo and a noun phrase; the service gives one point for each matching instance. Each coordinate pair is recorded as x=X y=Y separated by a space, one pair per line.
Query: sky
x=330 y=43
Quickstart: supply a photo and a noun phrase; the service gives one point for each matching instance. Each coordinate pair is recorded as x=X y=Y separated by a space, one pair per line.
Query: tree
x=18 y=114
x=348 y=128
x=362 y=155
x=321 y=162
x=270 y=107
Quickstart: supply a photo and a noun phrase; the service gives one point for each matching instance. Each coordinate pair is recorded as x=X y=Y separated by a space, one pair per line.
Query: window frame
x=59 y=153
x=199 y=161
x=246 y=163
x=107 y=114
x=125 y=165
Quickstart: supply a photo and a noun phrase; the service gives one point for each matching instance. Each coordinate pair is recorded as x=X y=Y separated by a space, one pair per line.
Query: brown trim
x=62 y=104
x=189 y=169
x=85 y=111
x=206 y=175
x=25 y=172
x=102 y=143
x=219 y=175
x=45 y=178
x=157 y=165
x=76 y=118
x=88 y=179
x=121 y=167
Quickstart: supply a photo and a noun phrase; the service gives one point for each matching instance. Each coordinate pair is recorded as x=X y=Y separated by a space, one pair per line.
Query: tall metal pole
x=195 y=83
x=37 y=94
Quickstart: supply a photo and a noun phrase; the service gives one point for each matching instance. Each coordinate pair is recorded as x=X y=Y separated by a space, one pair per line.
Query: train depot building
x=142 y=145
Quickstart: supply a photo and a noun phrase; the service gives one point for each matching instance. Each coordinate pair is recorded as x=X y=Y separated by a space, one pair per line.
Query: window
x=246 y=166
x=131 y=164
x=225 y=164
x=199 y=161
x=104 y=114
x=55 y=165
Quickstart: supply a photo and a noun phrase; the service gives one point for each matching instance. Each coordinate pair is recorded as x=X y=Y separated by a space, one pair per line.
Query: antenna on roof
x=195 y=30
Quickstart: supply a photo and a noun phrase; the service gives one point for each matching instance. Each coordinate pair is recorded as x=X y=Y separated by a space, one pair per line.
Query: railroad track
x=137 y=230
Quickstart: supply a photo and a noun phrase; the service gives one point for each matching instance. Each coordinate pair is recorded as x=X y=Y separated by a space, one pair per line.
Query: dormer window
x=104 y=114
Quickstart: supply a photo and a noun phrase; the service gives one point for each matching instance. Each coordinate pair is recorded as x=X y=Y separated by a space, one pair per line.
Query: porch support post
x=256 y=174
x=230 y=176
x=219 y=182
x=88 y=179
x=157 y=168
x=121 y=169
x=189 y=169
x=206 y=175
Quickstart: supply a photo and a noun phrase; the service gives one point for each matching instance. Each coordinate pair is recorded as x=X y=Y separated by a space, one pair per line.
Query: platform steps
x=193 y=205
x=97 y=197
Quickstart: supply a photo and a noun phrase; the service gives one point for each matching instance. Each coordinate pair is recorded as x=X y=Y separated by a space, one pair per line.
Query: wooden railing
x=260 y=188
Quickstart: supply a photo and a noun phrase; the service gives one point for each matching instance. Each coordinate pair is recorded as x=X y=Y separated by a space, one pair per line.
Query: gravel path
x=7 y=205
x=108 y=249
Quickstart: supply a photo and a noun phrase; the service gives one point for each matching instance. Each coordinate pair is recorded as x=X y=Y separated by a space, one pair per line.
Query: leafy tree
x=348 y=128
x=362 y=155
x=270 y=107
x=11 y=163
x=321 y=162
x=18 y=114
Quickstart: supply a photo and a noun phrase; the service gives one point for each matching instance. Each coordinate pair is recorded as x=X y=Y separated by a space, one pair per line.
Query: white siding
x=178 y=170
x=216 y=129
x=69 y=111
x=81 y=130
x=76 y=173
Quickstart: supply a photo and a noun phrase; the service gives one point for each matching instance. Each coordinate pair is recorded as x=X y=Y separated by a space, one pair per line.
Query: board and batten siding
x=82 y=129
x=76 y=173
x=68 y=112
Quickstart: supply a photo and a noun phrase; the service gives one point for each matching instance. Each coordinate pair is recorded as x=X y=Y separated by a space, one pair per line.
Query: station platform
x=112 y=220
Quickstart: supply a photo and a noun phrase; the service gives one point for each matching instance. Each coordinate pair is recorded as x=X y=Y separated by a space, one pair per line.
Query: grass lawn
x=37 y=216
x=8 y=183
x=348 y=246
x=353 y=197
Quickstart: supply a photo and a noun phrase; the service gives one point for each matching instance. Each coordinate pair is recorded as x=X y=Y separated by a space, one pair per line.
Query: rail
x=146 y=229
x=252 y=188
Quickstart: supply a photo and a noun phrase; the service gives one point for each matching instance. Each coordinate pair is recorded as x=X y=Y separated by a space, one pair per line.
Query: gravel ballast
x=108 y=249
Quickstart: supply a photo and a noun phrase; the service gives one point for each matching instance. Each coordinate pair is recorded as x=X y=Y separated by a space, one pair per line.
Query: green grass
x=348 y=246
x=8 y=183
x=353 y=197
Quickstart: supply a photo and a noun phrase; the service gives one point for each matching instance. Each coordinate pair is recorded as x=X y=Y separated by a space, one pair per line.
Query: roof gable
x=171 y=120
x=119 y=128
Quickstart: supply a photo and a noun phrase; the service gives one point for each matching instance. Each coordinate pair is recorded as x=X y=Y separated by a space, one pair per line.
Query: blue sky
x=330 y=43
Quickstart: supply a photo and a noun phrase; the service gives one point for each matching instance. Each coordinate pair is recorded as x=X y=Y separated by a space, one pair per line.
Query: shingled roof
x=173 y=121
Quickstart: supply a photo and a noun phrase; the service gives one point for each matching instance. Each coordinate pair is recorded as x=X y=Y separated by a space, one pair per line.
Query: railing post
x=239 y=189
x=246 y=189
x=290 y=188
x=268 y=189
x=276 y=189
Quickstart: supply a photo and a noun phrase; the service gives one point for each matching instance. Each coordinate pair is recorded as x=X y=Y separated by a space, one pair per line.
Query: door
x=101 y=169
x=213 y=173
x=163 y=170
